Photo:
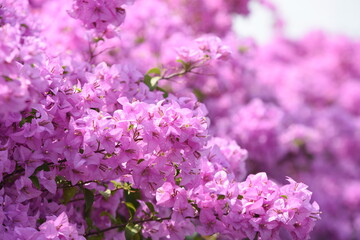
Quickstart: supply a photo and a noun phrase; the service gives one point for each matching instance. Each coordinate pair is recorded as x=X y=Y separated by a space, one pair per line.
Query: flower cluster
x=99 y=14
x=53 y=228
x=298 y=106
x=104 y=137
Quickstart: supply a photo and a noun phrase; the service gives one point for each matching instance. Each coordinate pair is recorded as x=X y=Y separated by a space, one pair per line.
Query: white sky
x=301 y=16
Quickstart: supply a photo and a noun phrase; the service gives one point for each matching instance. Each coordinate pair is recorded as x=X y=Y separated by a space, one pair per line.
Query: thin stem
x=135 y=222
x=7 y=176
x=124 y=225
x=175 y=75
x=185 y=70
x=79 y=184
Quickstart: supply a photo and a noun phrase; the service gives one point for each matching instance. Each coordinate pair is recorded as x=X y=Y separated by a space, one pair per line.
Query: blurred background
x=333 y=16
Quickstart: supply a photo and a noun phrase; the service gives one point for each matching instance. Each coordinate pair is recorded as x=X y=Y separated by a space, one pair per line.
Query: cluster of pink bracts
x=124 y=119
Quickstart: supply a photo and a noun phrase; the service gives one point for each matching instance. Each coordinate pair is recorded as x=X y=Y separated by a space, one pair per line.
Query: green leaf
x=95 y=109
x=24 y=25
x=35 y=181
x=150 y=81
x=77 y=90
x=154 y=81
x=243 y=49
x=299 y=142
x=89 y=223
x=121 y=185
x=181 y=61
x=121 y=220
x=140 y=160
x=186 y=65
x=60 y=179
x=40 y=221
x=33 y=112
x=111 y=217
x=132 y=195
x=132 y=232
x=195 y=206
x=147 y=79
x=199 y=94
x=117 y=185
x=131 y=208
x=177 y=170
x=26 y=120
x=7 y=78
x=89 y=200
x=178 y=180
x=68 y=194
x=43 y=167
x=220 y=196
x=156 y=71
x=106 y=194
x=131 y=126
x=139 y=40
x=98 y=39
x=166 y=94
x=127 y=187
x=151 y=207
x=284 y=196
x=90 y=226
x=195 y=236
x=96 y=237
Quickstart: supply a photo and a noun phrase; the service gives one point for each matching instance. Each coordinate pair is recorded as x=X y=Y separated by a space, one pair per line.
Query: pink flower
x=59 y=227
x=25 y=189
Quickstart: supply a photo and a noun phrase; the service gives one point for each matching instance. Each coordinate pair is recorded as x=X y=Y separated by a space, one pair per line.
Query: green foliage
x=68 y=194
x=44 y=167
x=132 y=210
x=152 y=209
x=140 y=160
x=122 y=185
x=98 y=39
x=166 y=94
x=34 y=179
x=7 y=78
x=151 y=82
x=89 y=200
x=199 y=94
x=156 y=71
x=133 y=231
x=152 y=78
x=96 y=237
x=299 y=142
x=112 y=218
x=64 y=70
x=29 y=118
x=284 y=196
x=95 y=109
x=220 y=196
x=187 y=66
x=106 y=194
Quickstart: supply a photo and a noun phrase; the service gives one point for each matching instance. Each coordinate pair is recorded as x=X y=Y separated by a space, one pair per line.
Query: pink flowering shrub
x=99 y=14
x=140 y=128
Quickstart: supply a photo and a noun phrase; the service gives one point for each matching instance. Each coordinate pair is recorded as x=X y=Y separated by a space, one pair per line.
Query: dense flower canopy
x=151 y=119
